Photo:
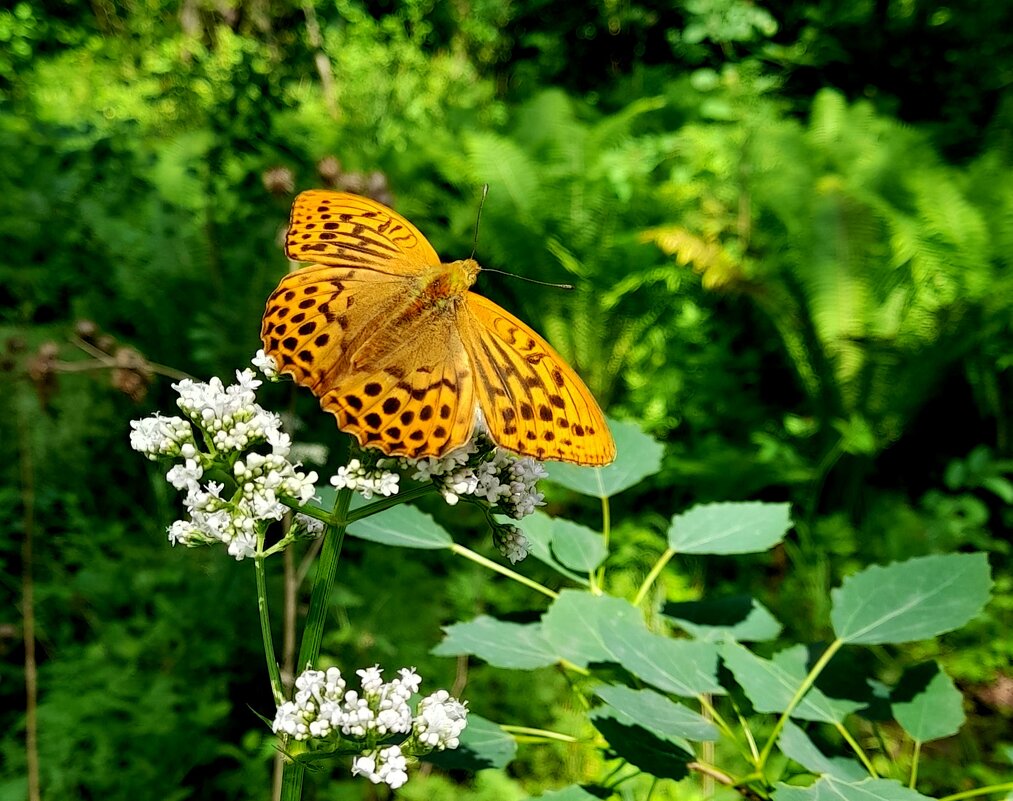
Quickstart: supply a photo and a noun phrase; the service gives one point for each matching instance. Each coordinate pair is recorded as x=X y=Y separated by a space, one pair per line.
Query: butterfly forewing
x=532 y=401
x=347 y=230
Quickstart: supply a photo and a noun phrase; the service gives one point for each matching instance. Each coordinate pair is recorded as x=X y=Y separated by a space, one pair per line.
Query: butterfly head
x=462 y=274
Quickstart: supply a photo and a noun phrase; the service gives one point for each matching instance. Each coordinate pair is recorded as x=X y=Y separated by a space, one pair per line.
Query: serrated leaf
x=402 y=526
x=727 y=528
x=681 y=667
x=574 y=625
x=483 y=745
x=576 y=546
x=771 y=684
x=500 y=643
x=657 y=713
x=538 y=528
x=796 y=745
x=927 y=704
x=912 y=600
x=664 y=757
x=736 y=618
x=832 y=789
x=637 y=456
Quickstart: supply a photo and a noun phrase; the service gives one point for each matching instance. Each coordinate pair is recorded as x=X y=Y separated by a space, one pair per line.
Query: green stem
x=310 y=511
x=821 y=663
x=265 y=630
x=914 y=764
x=313 y=633
x=539 y=734
x=387 y=503
x=467 y=553
x=653 y=576
x=857 y=749
x=711 y=712
x=992 y=788
x=606 y=534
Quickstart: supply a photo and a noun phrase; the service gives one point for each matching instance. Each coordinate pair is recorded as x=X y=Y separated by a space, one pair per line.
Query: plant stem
x=265 y=630
x=387 y=503
x=992 y=788
x=606 y=534
x=539 y=734
x=467 y=553
x=807 y=682
x=914 y=764
x=313 y=633
x=28 y=601
x=653 y=575
x=857 y=749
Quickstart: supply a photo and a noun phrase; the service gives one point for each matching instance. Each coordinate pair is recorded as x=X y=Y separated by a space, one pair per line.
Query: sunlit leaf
x=726 y=528
x=575 y=623
x=403 y=526
x=796 y=745
x=738 y=618
x=483 y=745
x=927 y=704
x=657 y=713
x=500 y=643
x=912 y=600
x=830 y=788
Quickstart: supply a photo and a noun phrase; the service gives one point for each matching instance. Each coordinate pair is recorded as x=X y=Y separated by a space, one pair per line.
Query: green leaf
x=681 y=667
x=574 y=625
x=402 y=526
x=830 y=788
x=661 y=756
x=637 y=456
x=726 y=528
x=735 y=618
x=912 y=600
x=796 y=745
x=771 y=684
x=539 y=529
x=927 y=704
x=502 y=644
x=572 y=793
x=483 y=745
x=577 y=546
x=657 y=713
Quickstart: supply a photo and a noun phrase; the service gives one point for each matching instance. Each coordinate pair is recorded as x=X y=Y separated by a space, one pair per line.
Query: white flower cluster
x=230 y=422
x=511 y=542
x=502 y=479
x=368 y=482
x=324 y=707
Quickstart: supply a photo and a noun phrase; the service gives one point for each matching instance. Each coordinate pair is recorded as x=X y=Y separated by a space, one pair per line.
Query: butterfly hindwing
x=415 y=398
x=533 y=402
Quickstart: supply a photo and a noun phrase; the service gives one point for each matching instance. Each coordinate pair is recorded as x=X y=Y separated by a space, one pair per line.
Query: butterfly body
x=399 y=349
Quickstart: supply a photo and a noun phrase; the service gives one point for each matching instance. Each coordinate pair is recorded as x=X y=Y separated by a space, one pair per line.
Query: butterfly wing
x=345 y=230
x=402 y=386
x=533 y=402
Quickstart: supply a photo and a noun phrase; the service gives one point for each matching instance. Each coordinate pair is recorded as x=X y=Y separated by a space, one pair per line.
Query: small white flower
x=266 y=364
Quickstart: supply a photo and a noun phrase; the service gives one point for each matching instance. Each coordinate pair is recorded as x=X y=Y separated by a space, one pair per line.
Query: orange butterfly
x=400 y=351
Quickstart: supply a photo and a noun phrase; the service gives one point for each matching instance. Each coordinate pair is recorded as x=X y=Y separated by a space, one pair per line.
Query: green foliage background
x=790 y=228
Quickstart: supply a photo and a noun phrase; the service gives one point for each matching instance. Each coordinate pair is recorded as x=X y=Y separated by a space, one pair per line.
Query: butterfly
x=396 y=347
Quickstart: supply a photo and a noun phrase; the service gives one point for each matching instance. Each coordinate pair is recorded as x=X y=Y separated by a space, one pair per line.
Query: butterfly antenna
x=529 y=280
x=478 y=219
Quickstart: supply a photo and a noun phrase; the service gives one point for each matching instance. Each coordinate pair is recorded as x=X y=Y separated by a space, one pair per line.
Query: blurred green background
x=790 y=226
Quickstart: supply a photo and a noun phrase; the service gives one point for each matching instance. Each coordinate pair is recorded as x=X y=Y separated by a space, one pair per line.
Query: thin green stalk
x=821 y=663
x=538 y=734
x=313 y=633
x=914 y=764
x=992 y=788
x=310 y=511
x=387 y=503
x=606 y=534
x=467 y=553
x=711 y=712
x=265 y=630
x=653 y=576
x=857 y=749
